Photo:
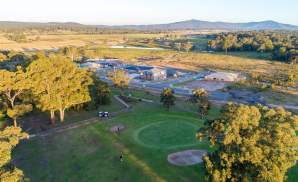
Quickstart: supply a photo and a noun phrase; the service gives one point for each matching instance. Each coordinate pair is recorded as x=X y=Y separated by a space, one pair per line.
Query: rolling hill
x=182 y=25
x=200 y=25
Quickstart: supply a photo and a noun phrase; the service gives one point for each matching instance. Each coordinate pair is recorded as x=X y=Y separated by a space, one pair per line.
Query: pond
x=134 y=47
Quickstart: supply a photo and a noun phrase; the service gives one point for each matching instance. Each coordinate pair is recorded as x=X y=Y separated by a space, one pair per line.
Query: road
x=237 y=96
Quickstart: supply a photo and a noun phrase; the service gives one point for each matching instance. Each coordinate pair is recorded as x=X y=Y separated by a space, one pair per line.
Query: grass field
x=244 y=61
x=249 y=55
x=49 y=41
x=92 y=153
x=194 y=61
x=163 y=134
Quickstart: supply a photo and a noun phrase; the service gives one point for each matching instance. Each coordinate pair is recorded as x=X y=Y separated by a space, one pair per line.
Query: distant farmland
x=62 y=40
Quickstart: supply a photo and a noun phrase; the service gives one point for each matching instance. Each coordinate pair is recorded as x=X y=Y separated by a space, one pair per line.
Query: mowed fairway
x=91 y=153
x=164 y=134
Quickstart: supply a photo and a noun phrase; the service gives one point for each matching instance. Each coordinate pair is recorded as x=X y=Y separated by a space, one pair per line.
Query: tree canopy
x=283 y=46
x=59 y=84
x=103 y=93
x=17 y=111
x=13 y=84
x=253 y=143
x=120 y=79
x=200 y=98
x=167 y=98
x=9 y=138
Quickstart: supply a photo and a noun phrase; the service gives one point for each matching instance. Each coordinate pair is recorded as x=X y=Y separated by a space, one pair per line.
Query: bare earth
x=210 y=86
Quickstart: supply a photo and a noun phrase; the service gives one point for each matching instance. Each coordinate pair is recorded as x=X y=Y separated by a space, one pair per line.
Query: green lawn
x=78 y=155
x=163 y=134
x=92 y=153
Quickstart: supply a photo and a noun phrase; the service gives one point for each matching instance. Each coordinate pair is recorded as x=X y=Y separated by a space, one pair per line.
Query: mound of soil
x=117 y=128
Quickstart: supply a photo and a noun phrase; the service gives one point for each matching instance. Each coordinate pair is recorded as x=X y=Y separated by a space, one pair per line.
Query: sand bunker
x=187 y=157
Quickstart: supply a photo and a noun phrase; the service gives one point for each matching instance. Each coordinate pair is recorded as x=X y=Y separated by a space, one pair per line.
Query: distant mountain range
x=182 y=25
x=20 y=25
x=205 y=25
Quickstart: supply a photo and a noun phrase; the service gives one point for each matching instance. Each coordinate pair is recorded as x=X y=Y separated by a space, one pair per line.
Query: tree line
x=282 y=46
x=59 y=28
x=52 y=84
x=17 y=37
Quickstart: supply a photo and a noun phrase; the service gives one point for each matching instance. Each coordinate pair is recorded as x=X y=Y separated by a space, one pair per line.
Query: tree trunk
x=52 y=113
x=62 y=115
x=121 y=92
x=15 y=122
x=226 y=50
x=11 y=101
x=11 y=98
x=12 y=104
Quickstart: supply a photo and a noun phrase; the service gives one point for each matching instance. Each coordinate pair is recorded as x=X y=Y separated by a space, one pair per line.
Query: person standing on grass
x=121 y=157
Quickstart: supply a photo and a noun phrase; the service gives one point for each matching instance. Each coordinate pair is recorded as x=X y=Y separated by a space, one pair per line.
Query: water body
x=134 y=47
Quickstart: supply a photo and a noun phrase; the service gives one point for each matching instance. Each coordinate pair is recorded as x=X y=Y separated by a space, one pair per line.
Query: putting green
x=167 y=134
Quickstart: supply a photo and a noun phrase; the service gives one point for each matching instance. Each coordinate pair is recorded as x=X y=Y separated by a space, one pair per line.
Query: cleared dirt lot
x=210 y=86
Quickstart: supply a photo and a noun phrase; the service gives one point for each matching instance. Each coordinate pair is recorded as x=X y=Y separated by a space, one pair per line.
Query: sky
x=123 y=12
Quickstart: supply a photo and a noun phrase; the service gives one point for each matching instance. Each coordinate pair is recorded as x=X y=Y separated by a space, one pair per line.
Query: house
x=101 y=63
x=138 y=69
x=108 y=63
x=154 y=74
x=172 y=73
x=147 y=72
x=134 y=75
x=223 y=76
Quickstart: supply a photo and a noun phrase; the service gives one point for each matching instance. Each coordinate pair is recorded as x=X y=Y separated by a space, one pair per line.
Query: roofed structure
x=154 y=74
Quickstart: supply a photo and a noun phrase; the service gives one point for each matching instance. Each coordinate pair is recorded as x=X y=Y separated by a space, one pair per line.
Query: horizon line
x=137 y=24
